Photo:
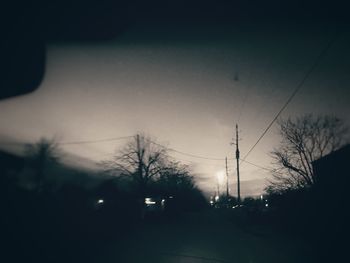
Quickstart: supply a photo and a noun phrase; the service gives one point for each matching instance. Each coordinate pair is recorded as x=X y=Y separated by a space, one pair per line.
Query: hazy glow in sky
x=182 y=92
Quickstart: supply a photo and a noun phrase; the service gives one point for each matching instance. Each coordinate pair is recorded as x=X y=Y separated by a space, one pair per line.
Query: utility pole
x=140 y=163
x=139 y=154
x=237 y=159
x=142 y=190
x=226 y=177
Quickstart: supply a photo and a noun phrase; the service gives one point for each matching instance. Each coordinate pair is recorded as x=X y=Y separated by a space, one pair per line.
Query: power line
x=125 y=137
x=258 y=166
x=155 y=143
x=187 y=154
x=202 y=163
x=95 y=141
x=196 y=156
x=298 y=87
x=177 y=159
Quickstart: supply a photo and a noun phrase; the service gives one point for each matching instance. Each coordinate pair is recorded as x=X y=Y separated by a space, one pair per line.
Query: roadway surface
x=202 y=238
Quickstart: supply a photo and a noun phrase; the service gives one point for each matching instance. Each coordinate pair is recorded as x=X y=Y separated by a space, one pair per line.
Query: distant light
x=100 y=201
x=148 y=201
x=211 y=202
x=217 y=198
x=266 y=205
x=171 y=197
x=221 y=177
x=261 y=197
x=163 y=201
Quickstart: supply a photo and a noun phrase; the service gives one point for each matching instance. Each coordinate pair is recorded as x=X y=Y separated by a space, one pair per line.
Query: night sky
x=186 y=83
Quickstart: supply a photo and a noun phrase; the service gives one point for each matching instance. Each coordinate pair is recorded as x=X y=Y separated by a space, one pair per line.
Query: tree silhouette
x=151 y=172
x=40 y=156
x=304 y=140
x=140 y=160
x=174 y=178
x=176 y=182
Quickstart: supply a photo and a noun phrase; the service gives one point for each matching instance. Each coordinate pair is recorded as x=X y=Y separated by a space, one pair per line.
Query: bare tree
x=304 y=140
x=41 y=155
x=141 y=160
x=175 y=177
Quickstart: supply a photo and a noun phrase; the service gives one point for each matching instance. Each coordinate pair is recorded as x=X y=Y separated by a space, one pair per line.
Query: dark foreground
x=207 y=236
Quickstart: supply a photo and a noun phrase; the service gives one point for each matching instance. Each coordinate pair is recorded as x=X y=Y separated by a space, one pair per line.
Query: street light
x=221 y=177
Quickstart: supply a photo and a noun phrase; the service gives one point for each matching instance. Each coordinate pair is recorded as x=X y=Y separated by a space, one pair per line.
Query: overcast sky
x=186 y=86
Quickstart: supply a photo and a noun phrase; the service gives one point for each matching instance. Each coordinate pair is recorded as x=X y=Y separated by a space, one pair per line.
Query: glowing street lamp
x=221 y=177
x=220 y=180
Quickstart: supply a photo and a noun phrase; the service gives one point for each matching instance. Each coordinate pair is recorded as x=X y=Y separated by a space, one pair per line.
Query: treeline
x=40 y=217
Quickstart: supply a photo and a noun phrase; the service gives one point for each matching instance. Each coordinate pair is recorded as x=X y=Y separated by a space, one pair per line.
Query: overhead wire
x=153 y=142
x=94 y=141
x=173 y=150
x=290 y=98
x=187 y=154
x=259 y=166
x=158 y=144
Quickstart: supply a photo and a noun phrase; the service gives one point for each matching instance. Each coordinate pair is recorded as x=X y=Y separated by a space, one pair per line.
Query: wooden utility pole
x=237 y=159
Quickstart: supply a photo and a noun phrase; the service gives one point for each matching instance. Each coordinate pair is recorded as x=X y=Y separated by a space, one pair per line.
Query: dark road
x=204 y=238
